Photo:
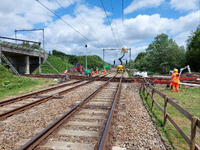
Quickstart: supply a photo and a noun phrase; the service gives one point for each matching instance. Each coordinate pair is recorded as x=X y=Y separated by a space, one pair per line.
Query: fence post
x=147 y=90
x=193 y=132
x=143 y=85
x=165 y=109
x=152 y=99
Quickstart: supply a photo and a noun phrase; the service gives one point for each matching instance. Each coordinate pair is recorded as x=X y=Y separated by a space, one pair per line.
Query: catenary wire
x=83 y=20
x=82 y=17
x=109 y=23
x=114 y=19
x=68 y=24
x=76 y=20
x=122 y=20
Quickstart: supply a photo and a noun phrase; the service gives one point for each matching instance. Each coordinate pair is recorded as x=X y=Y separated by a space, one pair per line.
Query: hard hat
x=176 y=70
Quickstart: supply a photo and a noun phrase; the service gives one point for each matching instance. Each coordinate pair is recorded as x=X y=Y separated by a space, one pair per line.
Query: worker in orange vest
x=175 y=80
x=91 y=72
x=104 y=71
x=96 y=71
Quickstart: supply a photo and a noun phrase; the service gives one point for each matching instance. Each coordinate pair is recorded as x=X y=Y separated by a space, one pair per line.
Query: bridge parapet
x=18 y=46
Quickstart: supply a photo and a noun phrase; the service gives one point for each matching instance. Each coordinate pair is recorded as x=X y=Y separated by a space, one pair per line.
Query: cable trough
x=87 y=124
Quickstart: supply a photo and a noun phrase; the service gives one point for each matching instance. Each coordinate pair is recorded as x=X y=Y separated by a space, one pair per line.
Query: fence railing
x=195 y=122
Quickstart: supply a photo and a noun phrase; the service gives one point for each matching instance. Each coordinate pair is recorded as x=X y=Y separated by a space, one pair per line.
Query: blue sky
x=143 y=21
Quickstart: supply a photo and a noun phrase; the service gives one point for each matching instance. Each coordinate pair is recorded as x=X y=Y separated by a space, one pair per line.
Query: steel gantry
x=129 y=49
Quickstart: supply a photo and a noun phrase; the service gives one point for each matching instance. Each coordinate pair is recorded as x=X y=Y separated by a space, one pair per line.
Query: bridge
x=24 y=59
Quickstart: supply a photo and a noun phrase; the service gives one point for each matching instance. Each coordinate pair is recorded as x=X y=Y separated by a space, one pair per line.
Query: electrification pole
x=86 y=56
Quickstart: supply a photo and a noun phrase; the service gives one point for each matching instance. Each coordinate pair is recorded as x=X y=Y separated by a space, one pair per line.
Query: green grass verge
x=60 y=64
x=188 y=99
x=11 y=85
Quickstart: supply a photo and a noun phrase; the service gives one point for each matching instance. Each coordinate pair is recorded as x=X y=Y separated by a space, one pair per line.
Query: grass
x=61 y=64
x=11 y=85
x=187 y=98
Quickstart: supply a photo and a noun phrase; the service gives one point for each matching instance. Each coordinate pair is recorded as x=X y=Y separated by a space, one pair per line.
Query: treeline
x=164 y=52
x=92 y=61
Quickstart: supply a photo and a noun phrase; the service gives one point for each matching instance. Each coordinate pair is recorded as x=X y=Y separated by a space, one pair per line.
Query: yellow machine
x=120 y=68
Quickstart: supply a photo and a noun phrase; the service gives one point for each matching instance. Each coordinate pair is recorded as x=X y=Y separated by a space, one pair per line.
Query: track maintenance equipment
x=76 y=70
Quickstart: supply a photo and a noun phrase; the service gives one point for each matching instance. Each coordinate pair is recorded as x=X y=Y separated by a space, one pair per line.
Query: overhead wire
x=109 y=23
x=114 y=17
x=81 y=16
x=75 y=20
x=67 y=24
x=122 y=20
x=84 y=20
x=114 y=21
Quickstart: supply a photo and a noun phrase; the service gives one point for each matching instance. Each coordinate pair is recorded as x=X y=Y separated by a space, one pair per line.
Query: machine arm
x=120 y=59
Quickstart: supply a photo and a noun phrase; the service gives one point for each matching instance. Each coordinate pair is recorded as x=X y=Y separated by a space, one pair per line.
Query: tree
x=140 y=55
x=162 y=53
x=193 y=50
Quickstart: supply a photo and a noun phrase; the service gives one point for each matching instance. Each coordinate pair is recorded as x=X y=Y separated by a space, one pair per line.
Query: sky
x=101 y=24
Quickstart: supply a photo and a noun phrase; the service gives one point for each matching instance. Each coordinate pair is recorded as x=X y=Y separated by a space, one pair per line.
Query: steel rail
x=29 y=105
x=47 y=131
x=104 y=139
x=36 y=93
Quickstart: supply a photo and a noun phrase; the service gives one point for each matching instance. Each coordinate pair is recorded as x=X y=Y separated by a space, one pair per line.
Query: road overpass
x=24 y=59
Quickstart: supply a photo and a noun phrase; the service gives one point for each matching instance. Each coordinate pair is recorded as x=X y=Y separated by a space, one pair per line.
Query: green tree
x=162 y=53
x=193 y=50
x=140 y=55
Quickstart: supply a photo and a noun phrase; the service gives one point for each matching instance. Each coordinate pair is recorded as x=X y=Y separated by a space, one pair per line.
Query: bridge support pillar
x=27 y=65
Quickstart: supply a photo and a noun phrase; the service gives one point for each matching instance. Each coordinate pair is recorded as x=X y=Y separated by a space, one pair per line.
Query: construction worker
x=96 y=71
x=175 y=80
x=104 y=71
x=91 y=72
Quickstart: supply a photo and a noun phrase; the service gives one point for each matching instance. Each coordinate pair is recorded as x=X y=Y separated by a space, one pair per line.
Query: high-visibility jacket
x=175 y=78
x=104 y=71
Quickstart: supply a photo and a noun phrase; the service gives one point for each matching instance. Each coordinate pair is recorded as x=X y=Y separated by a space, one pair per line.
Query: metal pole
x=86 y=57
x=130 y=60
x=15 y=36
x=43 y=45
x=39 y=58
x=103 y=56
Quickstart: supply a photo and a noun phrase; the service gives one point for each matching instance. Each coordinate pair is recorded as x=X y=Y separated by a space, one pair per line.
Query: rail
x=195 y=122
x=42 y=135
x=103 y=142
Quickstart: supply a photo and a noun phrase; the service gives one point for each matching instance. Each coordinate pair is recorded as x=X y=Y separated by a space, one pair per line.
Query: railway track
x=85 y=126
x=15 y=105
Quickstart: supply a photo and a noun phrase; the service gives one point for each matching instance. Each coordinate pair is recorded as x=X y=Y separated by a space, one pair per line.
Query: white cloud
x=139 y=4
x=185 y=23
x=181 y=38
x=59 y=36
x=184 y=5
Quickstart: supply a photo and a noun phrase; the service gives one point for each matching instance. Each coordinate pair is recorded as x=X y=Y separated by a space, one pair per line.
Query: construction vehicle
x=120 y=68
x=76 y=70
x=181 y=69
x=188 y=67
